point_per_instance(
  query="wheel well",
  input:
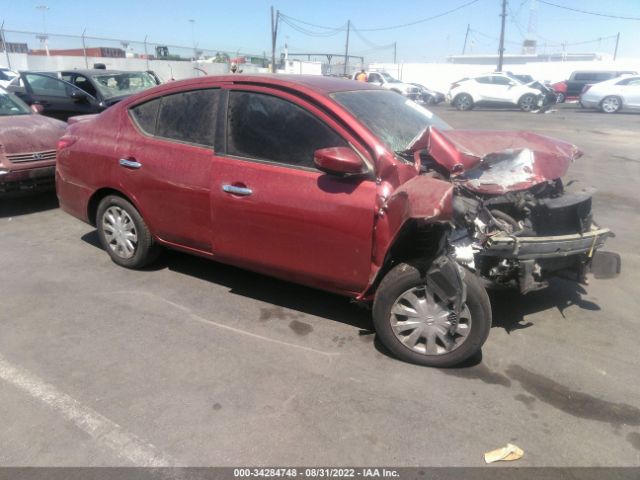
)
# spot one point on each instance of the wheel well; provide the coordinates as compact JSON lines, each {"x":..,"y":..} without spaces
{"x":460,"y":94}
{"x":614,"y":96}
{"x":414,"y":242}
{"x":525,"y":94}
{"x":96,"y":198}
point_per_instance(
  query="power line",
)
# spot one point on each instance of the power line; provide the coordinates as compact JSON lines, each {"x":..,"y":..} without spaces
{"x":311,"y":33}
{"x":283,"y":16}
{"x":373,"y":46}
{"x":416,"y":22}
{"x":586,"y":12}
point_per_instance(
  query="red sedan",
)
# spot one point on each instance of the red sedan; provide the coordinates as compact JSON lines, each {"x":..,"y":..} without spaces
{"x":27,"y":147}
{"x":339,"y":185}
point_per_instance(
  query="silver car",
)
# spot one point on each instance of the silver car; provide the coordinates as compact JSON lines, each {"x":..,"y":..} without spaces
{"x":613,"y":95}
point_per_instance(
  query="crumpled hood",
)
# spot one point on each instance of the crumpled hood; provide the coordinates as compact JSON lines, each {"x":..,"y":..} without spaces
{"x":29,"y":133}
{"x":495,"y":162}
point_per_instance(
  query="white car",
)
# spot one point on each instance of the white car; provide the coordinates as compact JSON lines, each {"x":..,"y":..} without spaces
{"x":494,"y":89}
{"x":386,"y":81}
{"x":6,"y":76}
{"x":613,"y":95}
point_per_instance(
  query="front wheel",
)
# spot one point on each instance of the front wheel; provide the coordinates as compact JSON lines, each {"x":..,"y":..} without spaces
{"x":560,"y":97}
{"x":418,"y":327}
{"x":528,"y":102}
{"x":123,"y":233}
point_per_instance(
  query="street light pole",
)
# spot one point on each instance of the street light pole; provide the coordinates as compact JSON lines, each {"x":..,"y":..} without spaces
{"x":346,"y":48}
{"x":193,"y":38}
{"x":44,"y":38}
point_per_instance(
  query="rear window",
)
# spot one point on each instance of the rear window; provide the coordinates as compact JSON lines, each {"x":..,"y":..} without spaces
{"x":188,"y":117}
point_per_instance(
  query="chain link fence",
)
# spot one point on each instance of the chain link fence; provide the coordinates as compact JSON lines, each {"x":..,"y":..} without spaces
{"x":23,"y":50}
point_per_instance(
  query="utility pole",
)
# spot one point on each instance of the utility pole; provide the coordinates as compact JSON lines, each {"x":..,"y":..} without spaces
{"x":346,"y":48}
{"x":4,"y":45}
{"x":615,"y":52}
{"x":395,"y":51}
{"x":274,"y":36}
{"x":84,"y":49}
{"x":501,"y":48}
{"x":466,"y":36}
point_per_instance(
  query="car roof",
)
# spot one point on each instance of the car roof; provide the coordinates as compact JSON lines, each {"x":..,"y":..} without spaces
{"x":317,"y":83}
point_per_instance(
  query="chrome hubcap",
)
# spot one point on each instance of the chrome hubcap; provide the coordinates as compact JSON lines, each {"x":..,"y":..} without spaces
{"x":610,"y":104}
{"x":424,"y":324}
{"x":120,"y":232}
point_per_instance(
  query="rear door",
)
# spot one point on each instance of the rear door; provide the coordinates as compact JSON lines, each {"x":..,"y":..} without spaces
{"x":273,"y":211}
{"x":165,"y":151}
{"x":631,"y":92}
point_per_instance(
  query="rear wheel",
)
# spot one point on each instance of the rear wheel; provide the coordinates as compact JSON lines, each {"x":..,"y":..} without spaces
{"x":463,"y":102}
{"x":418,"y":327}
{"x":123,"y":233}
{"x":560,"y":97}
{"x":610,"y":104}
{"x":528,"y":102}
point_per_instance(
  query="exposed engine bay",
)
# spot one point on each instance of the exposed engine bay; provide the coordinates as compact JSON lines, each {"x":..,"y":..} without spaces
{"x":515,"y":222}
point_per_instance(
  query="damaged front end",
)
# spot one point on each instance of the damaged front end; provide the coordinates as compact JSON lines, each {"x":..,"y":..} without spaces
{"x":516,"y":223}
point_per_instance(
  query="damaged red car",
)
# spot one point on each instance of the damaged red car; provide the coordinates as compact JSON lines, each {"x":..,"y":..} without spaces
{"x":341,"y":186}
{"x":27,"y":147}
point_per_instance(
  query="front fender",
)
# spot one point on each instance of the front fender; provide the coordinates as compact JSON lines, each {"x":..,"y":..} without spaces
{"x":423,"y":199}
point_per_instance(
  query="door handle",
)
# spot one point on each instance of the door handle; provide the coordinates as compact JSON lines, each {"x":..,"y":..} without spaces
{"x":235,"y":190}
{"x":129,"y":163}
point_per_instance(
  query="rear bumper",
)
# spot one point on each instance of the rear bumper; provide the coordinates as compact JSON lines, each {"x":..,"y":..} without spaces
{"x":533,"y":248}
{"x":27,"y":180}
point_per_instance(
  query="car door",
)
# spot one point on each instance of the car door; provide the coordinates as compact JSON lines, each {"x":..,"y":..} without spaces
{"x":375,"y":79}
{"x":484,"y":89}
{"x":631,"y":93}
{"x":503,"y":89}
{"x":273,"y":211}
{"x":58,"y":98}
{"x":164,"y":153}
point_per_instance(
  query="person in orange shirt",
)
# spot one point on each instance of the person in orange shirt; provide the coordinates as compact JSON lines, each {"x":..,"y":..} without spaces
{"x":362,"y":76}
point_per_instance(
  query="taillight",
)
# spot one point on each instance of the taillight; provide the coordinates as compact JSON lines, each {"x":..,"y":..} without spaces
{"x":66,"y":141}
{"x":585,"y":88}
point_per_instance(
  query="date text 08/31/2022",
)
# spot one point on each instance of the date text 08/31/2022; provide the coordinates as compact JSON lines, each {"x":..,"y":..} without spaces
{"x":315,"y":472}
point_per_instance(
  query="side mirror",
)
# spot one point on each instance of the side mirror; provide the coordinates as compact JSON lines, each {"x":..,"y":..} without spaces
{"x":79,"y":96}
{"x":339,"y":161}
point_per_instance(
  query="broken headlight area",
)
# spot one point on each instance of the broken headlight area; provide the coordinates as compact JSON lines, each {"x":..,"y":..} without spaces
{"x":520,"y":238}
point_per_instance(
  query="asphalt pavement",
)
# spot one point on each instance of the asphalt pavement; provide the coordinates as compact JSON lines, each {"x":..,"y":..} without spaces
{"x":196,"y":363}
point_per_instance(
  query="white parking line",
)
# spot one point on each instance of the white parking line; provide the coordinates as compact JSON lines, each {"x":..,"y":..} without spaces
{"x":124,"y":444}
{"x":200,"y":319}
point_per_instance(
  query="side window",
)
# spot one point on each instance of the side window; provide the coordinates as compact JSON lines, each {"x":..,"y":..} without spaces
{"x":146,"y":115}
{"x":85,"y":84}
{"x":266,"y":127}
{"x":483,"y":80}
{"x":501,"y":80}
{"x":189,"y":116}
{"x":46,"y":85}
{"x":374,"y":78}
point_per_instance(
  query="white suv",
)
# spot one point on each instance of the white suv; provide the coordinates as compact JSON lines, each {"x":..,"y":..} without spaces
{"x":494,"y":89}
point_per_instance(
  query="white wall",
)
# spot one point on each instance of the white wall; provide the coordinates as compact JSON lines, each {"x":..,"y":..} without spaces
{"x":166,"y":69}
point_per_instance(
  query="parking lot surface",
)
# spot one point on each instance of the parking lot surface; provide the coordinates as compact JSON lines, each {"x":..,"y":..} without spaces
{"x":196,"y":363}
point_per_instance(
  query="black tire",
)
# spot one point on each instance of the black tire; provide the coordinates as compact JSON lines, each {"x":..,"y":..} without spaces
{"x":145,"y":250}
{"x":611,"y":104}
{"x":404,"y":277}
{"x":528,"y":102}
{"x":463,"y":102}
{"x":560,"y":97}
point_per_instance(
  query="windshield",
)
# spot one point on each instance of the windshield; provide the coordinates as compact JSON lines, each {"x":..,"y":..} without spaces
{"x":389,"y":78}
{"x":12,"y":105}
{"x":125,"y":83}
{"x":390,"y":116}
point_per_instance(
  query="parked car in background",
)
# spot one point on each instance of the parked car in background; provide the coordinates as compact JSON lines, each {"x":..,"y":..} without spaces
{"x":572,"y":88}
{"x":428,"y":96}
{"x":339,"y":185}
{"x":6,"y":75}
{"x":495,"y":90}
{"x":77,"y":92}
{"x":622,"y":93}
{"x":27,"y":146}
{"x":386,"y":81}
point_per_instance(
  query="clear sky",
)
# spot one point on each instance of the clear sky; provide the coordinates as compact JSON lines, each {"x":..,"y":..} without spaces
{"x":244,"y":25}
